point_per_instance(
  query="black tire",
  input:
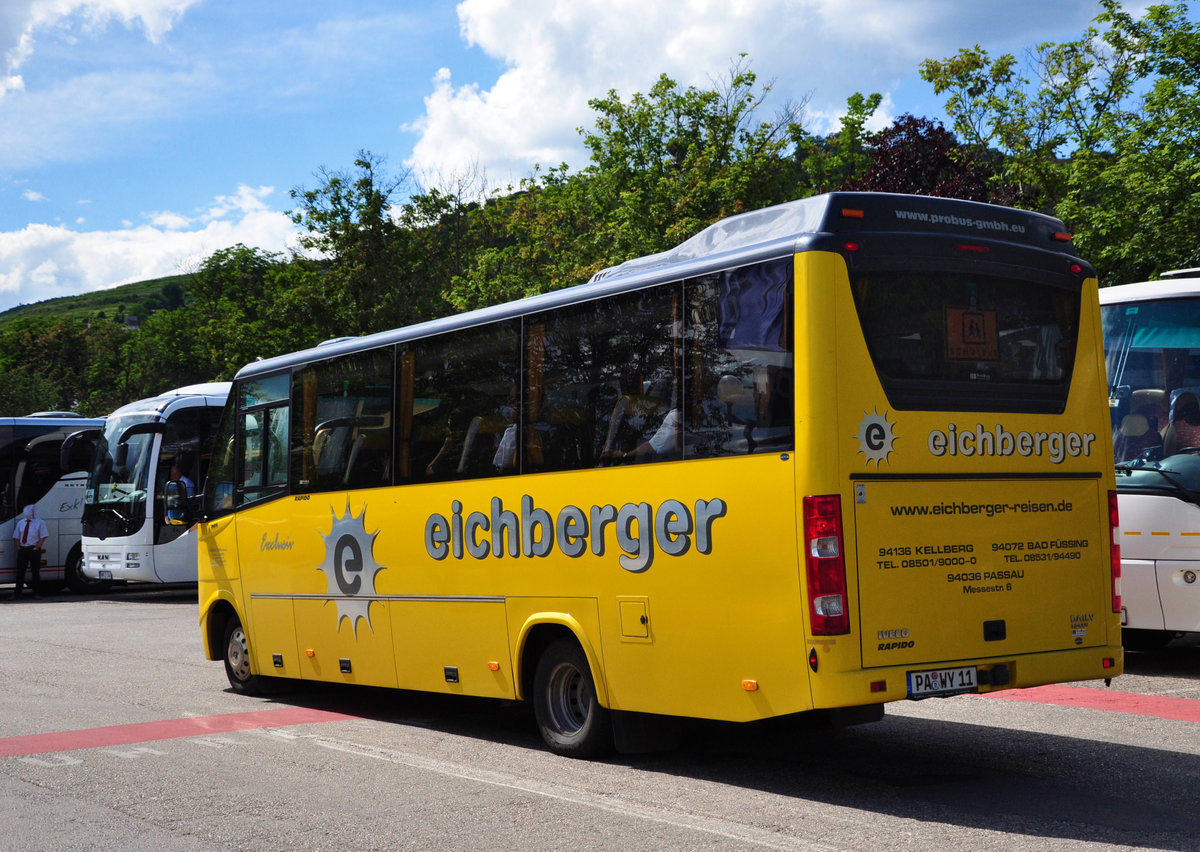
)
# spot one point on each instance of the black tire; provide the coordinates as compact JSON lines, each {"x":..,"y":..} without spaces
{"x":568,"y":713}
{"x":236,"y":654}
{"x":1145,"y":640}
{"x":77,"y":581}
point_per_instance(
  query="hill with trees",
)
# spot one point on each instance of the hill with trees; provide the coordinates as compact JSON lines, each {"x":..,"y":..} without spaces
{"x":1102,"y":131}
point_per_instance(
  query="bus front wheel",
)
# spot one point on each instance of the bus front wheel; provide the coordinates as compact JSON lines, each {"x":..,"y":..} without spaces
{"x":76,"y":580}
{"x":568,"y":713}
{"x":237,"y":660}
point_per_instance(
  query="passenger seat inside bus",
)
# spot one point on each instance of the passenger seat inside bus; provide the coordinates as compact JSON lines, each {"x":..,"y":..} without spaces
{"x":1183,"y":431}
{"x":1135,"y":435}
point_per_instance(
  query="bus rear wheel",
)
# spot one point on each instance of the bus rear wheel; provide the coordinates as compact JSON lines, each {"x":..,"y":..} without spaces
{"x":568,"y":713}
{"x":237,"y":660}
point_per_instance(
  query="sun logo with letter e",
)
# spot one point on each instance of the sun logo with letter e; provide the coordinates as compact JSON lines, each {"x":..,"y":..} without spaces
{"x":350,"y":568}
{"x":875,"y":437}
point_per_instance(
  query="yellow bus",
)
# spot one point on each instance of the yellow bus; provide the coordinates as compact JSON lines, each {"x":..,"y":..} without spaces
{"x":843,"y":451}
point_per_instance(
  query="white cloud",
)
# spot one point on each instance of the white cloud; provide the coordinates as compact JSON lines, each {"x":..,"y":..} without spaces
{"x":71,"y":118}
{"x":32,"y":195}
{"x":20,"y":21}
{"x":44,"y":261}
{"x":559,"y":53}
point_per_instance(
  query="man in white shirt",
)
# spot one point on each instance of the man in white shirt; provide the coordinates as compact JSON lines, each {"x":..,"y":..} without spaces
{"x":30,"y":534}
{"x":178,"y":475}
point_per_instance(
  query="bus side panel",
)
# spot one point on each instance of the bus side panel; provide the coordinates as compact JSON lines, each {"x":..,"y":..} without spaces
{"x":175,"y":561}
{"x":343,"y":641}
{"x":274,"y":650}
{"x":318,"y":553}
{"x":1158,"y":544}
{"x":821,"y":380}
{"x":217,"y":575}
{"x":452,"y":646}
{"x":8,"y":551}
{"x":62,"y":510}
{"x":715,"y":620}
{"x":721,"y":599}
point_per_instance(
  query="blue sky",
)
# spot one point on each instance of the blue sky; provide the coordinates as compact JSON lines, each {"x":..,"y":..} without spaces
{"x":139,"y":136}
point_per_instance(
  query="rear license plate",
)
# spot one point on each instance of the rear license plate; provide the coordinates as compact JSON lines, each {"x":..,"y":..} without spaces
{"x":942,"y":682}
{"x":105,"y":575}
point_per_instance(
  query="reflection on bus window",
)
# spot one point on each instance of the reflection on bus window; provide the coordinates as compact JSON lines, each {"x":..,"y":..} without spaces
{"x":342,"y":423}
{"x":458,"y":403}
{"x":947,"y":340}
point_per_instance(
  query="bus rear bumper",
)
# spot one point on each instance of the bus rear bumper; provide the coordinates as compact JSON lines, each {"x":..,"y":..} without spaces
{"x":979,"y":676}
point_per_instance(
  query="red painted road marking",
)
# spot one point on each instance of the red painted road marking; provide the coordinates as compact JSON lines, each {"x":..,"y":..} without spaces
{"x":166,"y":729}
{"x":1161,"y":707}
{"x":1158,"y":706}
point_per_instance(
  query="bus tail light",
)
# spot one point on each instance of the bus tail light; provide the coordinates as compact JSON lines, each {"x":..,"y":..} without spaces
{"x":1114,"y":523}
{"x":825,"y":565}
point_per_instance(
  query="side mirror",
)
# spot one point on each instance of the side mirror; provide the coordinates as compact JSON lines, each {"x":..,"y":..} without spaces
{"x":68,"y":458}
{"x":178,"y":509}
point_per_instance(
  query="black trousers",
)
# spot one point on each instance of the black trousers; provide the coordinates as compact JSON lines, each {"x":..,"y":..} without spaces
{"x":29,"y":557}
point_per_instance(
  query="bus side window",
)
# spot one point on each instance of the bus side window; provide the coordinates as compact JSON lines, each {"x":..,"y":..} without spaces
{"x":463,"y":415}
{"x":342,"y":423}
{"x":264,"y":437}
{"x":740,"y":361}
{"x":607,"y":373}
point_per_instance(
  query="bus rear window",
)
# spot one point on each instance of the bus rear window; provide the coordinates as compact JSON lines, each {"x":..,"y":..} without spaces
{"x":943,"y":341}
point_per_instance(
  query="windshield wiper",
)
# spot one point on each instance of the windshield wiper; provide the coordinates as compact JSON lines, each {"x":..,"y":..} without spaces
{"x":1178,"y":488}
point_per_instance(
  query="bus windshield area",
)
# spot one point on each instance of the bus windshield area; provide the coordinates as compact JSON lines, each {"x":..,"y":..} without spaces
{"x":944,"y":340}
{"x":118,"y":479}
{"x":1152,"y":354}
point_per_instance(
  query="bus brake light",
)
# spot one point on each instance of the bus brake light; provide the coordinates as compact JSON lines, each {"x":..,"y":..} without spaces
{"x":825,"y":565}
{"x":1114,"y":523}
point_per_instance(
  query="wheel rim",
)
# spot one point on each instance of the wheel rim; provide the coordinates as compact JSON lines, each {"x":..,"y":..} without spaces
{"x":570,"y":699}
{"x":238,"y":654}
{"x":75,"y":575}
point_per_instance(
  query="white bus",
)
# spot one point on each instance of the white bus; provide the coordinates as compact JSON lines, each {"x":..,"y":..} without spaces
{"x":1152,"y":349}
{"x":34,"y":468}
{"x":125,"y":533}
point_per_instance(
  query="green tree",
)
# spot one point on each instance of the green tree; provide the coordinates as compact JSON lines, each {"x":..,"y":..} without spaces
{"x":22,"y":391}
{"x":231,"y":317}
{"x":1103,"y":130}
{"x":349,"y":220}
{"x":663,"y":165}
{"x":920,"y":156}
{"x":670,"y":162}
{"x":831,"y":162}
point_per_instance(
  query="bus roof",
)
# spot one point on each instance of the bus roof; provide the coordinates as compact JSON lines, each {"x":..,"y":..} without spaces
{"x":745,"y":238}
{"x":1166,"y":288}
{"x":52,"y":424}
{"x":213,"y":393}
